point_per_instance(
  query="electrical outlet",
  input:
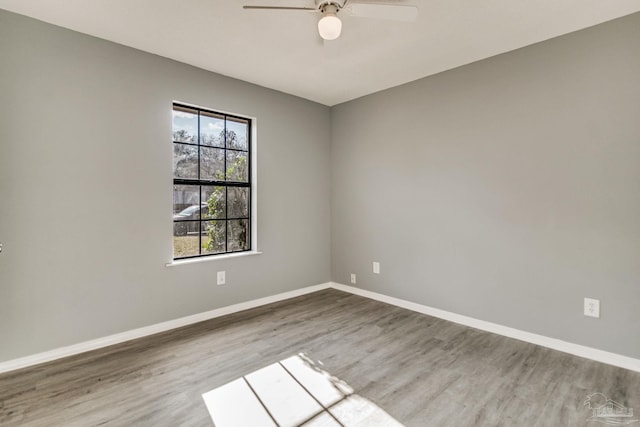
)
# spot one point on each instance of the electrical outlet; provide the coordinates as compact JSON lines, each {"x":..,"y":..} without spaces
{"x":592,"y":307}
{"x":222,"y":279}
{"x":376,"y":267}
{"x":353,"y":279}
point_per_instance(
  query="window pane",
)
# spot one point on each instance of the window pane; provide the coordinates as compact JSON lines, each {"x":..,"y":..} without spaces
{"x":238,"y":199}
{"x":213,"y":233}
{"x":185,"y":200}
{"x":237,"y":230}
{"x":185,"y":161}
{"x":211,"y":164}
{"x":211,"y":129}
{"x":237,"y":134}
{"x":185,"y":228}
{"x":185,"y":125}
{"x":237,"y":166}
{"x":214,"y":202}
{"x":185,"y":245}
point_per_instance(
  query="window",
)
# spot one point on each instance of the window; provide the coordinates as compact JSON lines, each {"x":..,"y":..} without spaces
{"x":211,"y":182}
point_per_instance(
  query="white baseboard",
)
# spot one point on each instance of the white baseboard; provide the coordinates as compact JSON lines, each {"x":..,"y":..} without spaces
{"x":564,"y":346}
{"x":82,"y":347}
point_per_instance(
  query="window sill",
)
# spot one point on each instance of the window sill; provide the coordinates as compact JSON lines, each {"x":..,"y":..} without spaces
{"x":210,"y":258}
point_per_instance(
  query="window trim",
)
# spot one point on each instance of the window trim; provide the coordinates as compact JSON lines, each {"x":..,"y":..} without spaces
{"x":250,"y":184}
{"x":209,"y":257}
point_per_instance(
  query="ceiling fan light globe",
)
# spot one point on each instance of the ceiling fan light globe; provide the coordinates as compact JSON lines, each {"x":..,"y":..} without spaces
{"x":329,"y":26}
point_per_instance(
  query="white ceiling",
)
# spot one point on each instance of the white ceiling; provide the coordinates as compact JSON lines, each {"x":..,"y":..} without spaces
{"x":281,"y":49}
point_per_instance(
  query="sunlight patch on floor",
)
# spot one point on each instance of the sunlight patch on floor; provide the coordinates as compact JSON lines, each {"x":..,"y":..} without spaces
{"x":293,"y":392}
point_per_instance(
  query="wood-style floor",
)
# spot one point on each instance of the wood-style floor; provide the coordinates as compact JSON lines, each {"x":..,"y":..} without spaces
{"x":421,"y":370}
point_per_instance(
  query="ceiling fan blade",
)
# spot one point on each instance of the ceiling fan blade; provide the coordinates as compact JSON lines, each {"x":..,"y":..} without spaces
{"x":395,"y":12}
{"x":311,"y":9}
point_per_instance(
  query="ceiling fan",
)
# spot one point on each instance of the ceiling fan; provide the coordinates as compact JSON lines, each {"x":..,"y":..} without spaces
{"x":330,"y":26}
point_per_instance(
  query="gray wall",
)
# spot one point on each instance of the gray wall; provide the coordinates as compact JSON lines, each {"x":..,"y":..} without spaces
{"x":86,"y":189}
{"x":506,"y":190}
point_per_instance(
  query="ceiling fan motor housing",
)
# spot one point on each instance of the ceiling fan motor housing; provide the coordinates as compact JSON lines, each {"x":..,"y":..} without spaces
{"x":327,"y":5}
